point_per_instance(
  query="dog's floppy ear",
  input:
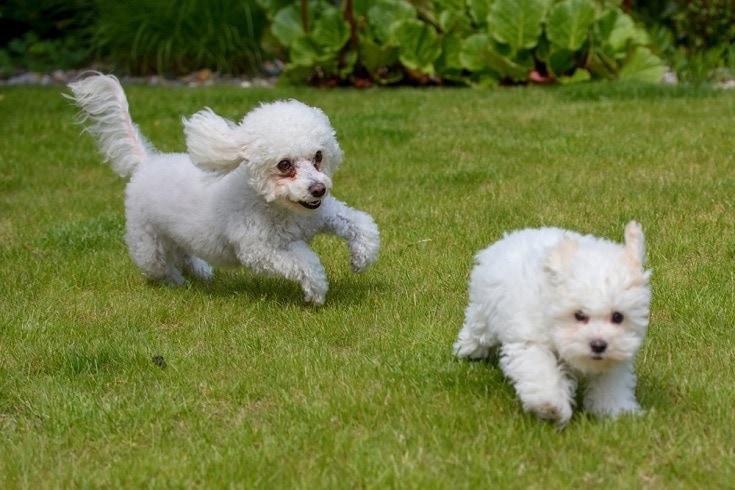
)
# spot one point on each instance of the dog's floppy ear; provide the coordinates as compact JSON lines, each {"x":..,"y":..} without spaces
{"x":212,"y":142}
{"x":559,"y":256}
{"x":635,"y":248}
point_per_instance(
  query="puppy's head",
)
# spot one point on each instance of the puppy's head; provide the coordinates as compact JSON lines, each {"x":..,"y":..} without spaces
{"x":598,"y":299}
{"x":288,"y":149}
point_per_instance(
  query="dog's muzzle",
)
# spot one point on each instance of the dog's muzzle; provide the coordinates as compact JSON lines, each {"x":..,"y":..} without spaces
{"x":317,"y":189}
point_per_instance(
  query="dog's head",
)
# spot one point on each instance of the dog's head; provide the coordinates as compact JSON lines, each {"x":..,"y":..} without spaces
{"x":288,"y":148}
{"x":599,"y":299}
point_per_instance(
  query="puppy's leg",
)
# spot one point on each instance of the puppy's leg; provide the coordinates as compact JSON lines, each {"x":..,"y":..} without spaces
{"x":152,"y":255}
{"x":475,"y":339}
{"x":539,"y":381}
{"x":612,"y":393}
{"x":297,"y":262}
{"x":197,"y":267}
{"x":359,"y":231}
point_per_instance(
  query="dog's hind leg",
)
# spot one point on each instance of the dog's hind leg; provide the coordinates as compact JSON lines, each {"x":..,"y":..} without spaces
{"x":197,"y":267}
{"x":475,"y":339}
{"x":153,"y":256}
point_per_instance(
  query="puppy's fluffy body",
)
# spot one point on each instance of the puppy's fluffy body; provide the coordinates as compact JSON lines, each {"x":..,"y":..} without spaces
{"x":251,"y":194}
{"x":561,"y":307}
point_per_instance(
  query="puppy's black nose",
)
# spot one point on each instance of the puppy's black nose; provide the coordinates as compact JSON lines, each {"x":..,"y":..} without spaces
{"x":598,"y":346}
{"x":317,"y":189}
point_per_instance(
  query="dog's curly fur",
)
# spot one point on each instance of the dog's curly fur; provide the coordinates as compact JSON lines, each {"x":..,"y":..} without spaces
{"x":561,"y":307}
{"x":251,"y":194}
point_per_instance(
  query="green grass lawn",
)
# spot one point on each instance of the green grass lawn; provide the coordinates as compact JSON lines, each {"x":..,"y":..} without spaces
{"x":261,"y":390}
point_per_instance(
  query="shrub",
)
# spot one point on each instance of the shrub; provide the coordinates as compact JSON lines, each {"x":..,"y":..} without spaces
{"x":694,"y":36}
{"x":703,"y":24}
{"x":45,"y":34}
{"x":476,"y":42}
{"x":179,"y":36}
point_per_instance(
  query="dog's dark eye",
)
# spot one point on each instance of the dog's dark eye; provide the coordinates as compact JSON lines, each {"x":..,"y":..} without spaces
{"x":580,"y":316}
{"x":284,"y":166}
{"x":617,"y":317}
{"x":318,"y":157}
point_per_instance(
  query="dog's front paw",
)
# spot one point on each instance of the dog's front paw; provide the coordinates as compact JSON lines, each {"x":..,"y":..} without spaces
{"x":360,"y":263}
{"x":558,"y":411}
{"x":364,"y":251}
{"x":613,"y":409}
{"x":315,"y":292}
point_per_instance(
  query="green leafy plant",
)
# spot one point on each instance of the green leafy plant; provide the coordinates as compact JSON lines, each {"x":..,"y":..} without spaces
{"x":45,"y":34}
{"x":30,"y":52}
{"x":694,"y":36}
{"x":479,"y":42}
{"x":147,"y":36}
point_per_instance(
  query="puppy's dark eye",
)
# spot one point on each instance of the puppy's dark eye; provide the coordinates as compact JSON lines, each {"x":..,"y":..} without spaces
{"x":284,"y":166}
{"x":617,"y":317}
{"x":580,"y":316}
{"x":318,"y":157}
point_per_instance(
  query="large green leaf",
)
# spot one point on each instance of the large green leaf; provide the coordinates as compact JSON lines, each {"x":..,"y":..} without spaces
{"x":643,"y":66}
{"x":479,"y":9}
{"x":376,"y":57}
{"x":331,"y":30}
{"x":517,"y":23}
{"x":569,"y":23}
{"x":450,"y":62}
{"x":457,"y":6}
{"x":472,"y":54}
{"x":418,"y":46}
{"x":480,"y":54}
{"x":271,"y":7}
{"x":621,"y":30}
{"x":560,"y":61}
{"x":455,"y":22}
{"x":309,"y":52}
{"x":287,"y":26}
{"x":384,"y":16}
{"x":617,"y":33}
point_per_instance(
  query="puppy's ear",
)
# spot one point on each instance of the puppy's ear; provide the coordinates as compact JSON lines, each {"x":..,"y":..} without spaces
{"x":212,"y":142}
{"x":635,"y":248}
{"x":559,"y":256}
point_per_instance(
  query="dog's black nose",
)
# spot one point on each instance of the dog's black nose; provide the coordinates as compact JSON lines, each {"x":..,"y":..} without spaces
{"x":598,"y":346}
{"x":317,"y":189}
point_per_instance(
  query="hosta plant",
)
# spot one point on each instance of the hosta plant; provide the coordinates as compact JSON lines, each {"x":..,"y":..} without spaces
{"x":472,"y":42}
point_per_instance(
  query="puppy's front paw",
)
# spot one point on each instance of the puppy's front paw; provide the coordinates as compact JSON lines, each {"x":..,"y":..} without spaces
{"x":361,"y":263}
{"x":315,"y":292}
{"x":555,"y":411}
{"x":613,"y":409}
{"x":364,"y":252}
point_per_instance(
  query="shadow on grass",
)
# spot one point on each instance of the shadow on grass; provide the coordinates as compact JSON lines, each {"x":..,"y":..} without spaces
{"x":343,"y":291}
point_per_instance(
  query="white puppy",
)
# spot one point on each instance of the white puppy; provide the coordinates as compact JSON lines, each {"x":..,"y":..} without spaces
{"x":561,"y":307}
{"x":253,"y":193}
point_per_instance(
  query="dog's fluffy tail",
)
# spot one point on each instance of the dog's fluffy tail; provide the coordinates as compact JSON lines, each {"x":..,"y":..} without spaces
{"x":104,"y":105}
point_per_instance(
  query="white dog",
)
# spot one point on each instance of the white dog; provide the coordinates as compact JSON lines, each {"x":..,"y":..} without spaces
{"x":253,"y":193}
{"x":562,"y":307}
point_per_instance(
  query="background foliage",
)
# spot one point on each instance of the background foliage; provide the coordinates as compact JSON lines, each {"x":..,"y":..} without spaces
{"x":478,"y":42}
{"x":328,"y":42}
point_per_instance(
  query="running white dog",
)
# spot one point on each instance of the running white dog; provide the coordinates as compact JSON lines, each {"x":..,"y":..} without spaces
{"x":251,"y":194}
{"x":562,"y":307}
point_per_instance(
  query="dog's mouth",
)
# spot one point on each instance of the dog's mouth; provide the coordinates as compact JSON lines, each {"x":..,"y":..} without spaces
{"x":311,"y":205}
{"x":597,"y":357}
